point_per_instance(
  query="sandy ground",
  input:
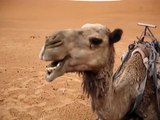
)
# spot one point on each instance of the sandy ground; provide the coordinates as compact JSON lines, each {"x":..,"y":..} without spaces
{"x":24,"y":94}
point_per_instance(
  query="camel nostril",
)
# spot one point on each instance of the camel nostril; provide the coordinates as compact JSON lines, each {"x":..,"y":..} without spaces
{"x":57,"y":44}
{"x":54,"y":43}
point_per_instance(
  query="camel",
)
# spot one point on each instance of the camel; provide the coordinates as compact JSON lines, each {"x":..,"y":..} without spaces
{"x":90,"y":51}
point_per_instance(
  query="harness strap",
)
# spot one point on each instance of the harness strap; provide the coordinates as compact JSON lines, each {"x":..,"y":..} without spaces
{"x":126,"y":57}
{"x":116,"y":74}
{"x":144,"y":56}
{"x":156,"y":45}
{"x":153,"y":74}
{"x":157,"y":93}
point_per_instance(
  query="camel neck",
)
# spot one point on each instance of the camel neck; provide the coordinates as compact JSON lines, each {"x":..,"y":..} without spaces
{"x":97,"y":84}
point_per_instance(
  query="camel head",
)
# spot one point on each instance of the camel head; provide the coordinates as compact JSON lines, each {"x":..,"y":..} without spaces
{"x":78,"y":50}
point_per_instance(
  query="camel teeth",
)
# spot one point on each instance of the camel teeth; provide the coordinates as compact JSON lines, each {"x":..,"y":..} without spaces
{"x":50,"y":69}
{"x":58,"y":64}
{"x":54,"y":68}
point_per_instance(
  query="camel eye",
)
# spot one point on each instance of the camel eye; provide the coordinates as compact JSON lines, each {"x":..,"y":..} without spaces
{"x":95,"y":41}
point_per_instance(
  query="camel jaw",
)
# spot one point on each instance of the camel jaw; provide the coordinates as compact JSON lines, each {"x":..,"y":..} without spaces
{"x":54,"y":70}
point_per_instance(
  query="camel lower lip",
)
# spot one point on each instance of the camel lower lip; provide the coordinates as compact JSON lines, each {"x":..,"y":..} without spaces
{"x":50,"y":76}
{"x":54,"y":70}
{"x":51,"y":70}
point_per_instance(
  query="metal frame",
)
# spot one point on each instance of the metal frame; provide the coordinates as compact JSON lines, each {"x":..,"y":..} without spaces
{"x":147,"y":32}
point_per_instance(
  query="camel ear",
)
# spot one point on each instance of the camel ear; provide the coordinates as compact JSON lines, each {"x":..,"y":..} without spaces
{"x":115,"y":36}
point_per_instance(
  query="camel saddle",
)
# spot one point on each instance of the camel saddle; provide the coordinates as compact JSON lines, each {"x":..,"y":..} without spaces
{"x":150,"y":52}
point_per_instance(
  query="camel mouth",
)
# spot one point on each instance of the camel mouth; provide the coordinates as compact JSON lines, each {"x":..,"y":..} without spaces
{"x":54,"y":70}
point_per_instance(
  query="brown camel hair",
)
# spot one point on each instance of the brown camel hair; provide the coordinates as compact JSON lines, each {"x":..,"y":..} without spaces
{"x":90,"y":51}
{"x":104,"y":92}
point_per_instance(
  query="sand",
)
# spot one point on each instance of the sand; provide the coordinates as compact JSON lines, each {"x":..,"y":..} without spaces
{"x":24,"y":93}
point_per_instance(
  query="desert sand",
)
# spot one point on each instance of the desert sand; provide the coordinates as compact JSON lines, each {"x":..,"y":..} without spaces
{"x":24,"y":93}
